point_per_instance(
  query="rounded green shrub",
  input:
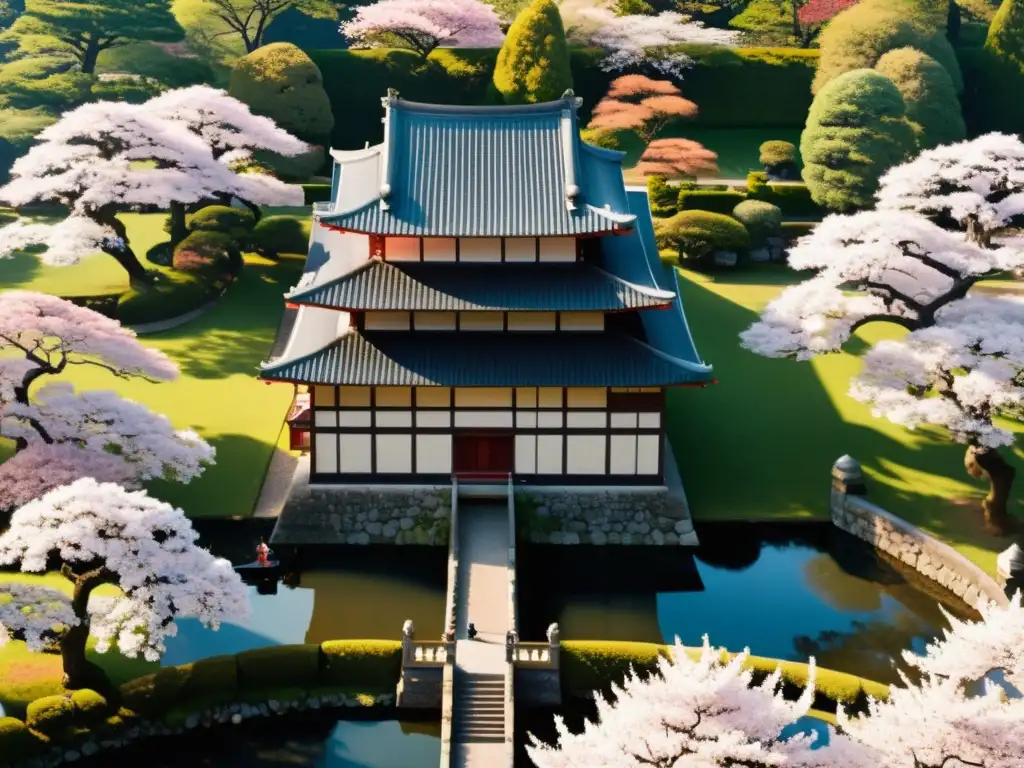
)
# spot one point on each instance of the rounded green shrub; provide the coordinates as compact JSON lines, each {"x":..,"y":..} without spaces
{"x":50,"y":714}
{"x":762,"y":220}
{"x":856,"y":130}
{"x":173,"y":295}
{"x":285,"y":665}
{"x":601,"y":137}
{"x":778,"y":158}
{"x":699,"y":234}
{"x":194,"y":687}
{"x":91,"y":707}
{"x":533,"y":62}
{"x":361,"y":662}
{"x":210,"y":252}
{"x":705,"y":199}
{"x":17,"y":742}
{"x":281,"y":82}
{"x":928,"y":94}
{"x":274,"y":235}
{"x":859,"y":36}
{"x":757,"y":183}
{"x":236,"y":222}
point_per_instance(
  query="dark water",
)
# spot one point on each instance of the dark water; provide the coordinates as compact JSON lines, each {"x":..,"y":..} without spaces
{"x":312,"y":741}
{"x":786,"y":591}
{"x":348,"y":593}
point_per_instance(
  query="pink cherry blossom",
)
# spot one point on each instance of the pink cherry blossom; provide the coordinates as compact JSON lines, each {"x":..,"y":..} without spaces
{"x":423,"y":25}
{"x":41,"y":467}
{"x":144,"y":546}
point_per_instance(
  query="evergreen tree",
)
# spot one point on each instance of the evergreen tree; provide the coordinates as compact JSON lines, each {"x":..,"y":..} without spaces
{"x":928,"y":93}
{"x":85,"y":28}
{"x":856,"y":130}
{"x":533,"y":63}
{"x":1004,"y":49}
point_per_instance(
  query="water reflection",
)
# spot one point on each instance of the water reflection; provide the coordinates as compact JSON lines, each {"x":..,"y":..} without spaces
{"x":365,"y":593}
{"x":311,"y":742}
{"x":787,"y":592}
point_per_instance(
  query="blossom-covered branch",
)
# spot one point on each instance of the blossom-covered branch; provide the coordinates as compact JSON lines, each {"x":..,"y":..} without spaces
{"x":423,"y":25}
{"x":41,"y":467}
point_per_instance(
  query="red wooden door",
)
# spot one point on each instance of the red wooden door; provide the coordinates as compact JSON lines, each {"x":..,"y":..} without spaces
{"x":484,"y":454}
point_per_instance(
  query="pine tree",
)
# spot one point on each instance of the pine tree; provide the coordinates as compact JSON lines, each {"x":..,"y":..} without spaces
{"x":533,"y":63}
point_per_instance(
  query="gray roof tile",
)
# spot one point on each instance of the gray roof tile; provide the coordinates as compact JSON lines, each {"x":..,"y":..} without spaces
{"x":427,"y":286}
{"x":490,"y":171}
{"x":467,"y":359}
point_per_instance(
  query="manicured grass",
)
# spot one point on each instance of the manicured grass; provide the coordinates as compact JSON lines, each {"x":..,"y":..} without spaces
{"x":760,"y":444}
{"x":737,"y":148}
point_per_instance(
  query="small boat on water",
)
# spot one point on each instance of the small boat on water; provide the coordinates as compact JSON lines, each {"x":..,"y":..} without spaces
{"x":256,"y":571}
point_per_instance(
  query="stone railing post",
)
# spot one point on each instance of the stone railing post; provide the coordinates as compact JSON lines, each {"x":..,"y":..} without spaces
{"x":511,"y":640}
{"x":847,"y":480}
{"x":408,"y":638}
{"x":449,"y":643}
{"x":555,"y":645}
{"x":1010,"y":569}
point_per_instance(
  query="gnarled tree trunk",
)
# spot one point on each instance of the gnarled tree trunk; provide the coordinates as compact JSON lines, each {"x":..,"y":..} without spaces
{"x":990,"y":465}
{"x":120,"y":249}
{"x":79,"y":672}
{"x":178,"y":229}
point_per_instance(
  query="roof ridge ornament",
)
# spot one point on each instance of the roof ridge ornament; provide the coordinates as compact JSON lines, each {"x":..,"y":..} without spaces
{"x":386,"y":164}
{"x":570,"y":94}
{"x":392,"y":95}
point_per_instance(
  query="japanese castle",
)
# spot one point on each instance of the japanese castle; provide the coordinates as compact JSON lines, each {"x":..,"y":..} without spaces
{"x":483,"y":296}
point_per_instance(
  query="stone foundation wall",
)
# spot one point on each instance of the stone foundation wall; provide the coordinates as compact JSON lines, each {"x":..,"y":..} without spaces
{"x":934,"y":560}
{"x":333,"y":515}
{"x":603,"y":517}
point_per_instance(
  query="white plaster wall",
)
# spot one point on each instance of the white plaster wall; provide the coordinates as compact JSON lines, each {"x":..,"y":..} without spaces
{"x":585,"y":454}
{"x":439,"y":249}
{"x":393,"y":453}
{"x":354,"y":418}
{"x":526,"y":454}
{"x":433,"y":454}
{"x":387,"y":321}
{"x":549,"y":455}
{"x":623,"y":455}
{"x":520,"y":249}
{"x":581,"y":321}
{"x":481,"y":321}
{"x":356,"y":453}
{"x":434,"y":321}
{"x":326,"y":453}
{"x":466,"y":419}
{"x":531,"y":321}
{"x":558,"y":249}
{"x":648,"y":451}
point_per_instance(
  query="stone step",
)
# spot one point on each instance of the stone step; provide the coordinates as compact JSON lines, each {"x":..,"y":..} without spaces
{"x":479,"y":714}
{"x":474,"y":738}
{"x":466,"y":705}
{"x":490,"y":728}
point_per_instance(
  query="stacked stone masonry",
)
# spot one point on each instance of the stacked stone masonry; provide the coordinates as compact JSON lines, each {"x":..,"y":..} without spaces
{"x":929,"y":557}
{"x":366,"y":516}
{"x":648,"y":518}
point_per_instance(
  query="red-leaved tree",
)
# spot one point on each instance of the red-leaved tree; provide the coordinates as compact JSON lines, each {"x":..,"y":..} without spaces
{"x":642,"y":105}
{"x":677,"y":157}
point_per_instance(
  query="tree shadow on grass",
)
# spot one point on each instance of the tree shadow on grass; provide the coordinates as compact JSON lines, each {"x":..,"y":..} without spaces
{"x":761,"y":443}
{"x":230,"y":487}
{"x":19,"y":269}
{"x":238,"y":333}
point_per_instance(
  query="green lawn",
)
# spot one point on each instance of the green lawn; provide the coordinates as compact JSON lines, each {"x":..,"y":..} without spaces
{"x":219,"y":353}
{"x":737,"y":148}
{"x":761,"y":443}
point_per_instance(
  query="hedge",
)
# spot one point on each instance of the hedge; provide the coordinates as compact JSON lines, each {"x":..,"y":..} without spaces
{"x":274,"y":235}
{"x":290,"y":665}
{"x":175,"y":294}
{"x":794,"y":230}
{"x":593,"y":665}
{"x":724,"y":82}
{"x":792,"y":199}
{"x":316,"y":193}
{"x":716,"y":202}
{"x":360,"y":662}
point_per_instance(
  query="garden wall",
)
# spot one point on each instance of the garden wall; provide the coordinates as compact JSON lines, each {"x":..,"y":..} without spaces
{"x":342,"y":515}
{"x":939,"y":562}
{"x":565,"y":516}
{"x":734,"y":88}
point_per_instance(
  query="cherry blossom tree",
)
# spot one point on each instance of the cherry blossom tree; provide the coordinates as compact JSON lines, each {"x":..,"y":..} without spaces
{"x":637,"y":39}
{"x":41,"y":467}
{"x":104,"y":158}
{"x":423,"y":25}
{"x":231,"y":131}
{"x":640,"y":104}
{"x":814,"y":14}
{"x":895,"y":265}
{"x":975,"y":186}
{"x":103,"y":534}
{"x":704,"y":712}
{"x":677,"y":157}
{"x":44,"y":336}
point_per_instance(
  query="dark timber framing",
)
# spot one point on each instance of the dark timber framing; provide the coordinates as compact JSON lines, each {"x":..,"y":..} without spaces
{"x":617,"y":402}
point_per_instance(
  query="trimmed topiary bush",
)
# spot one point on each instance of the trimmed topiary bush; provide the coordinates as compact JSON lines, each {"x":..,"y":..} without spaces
{"x":275,"y":235}
{"x":661,"y":195}
{"x":856,"y":130}
{"x":533,"y":62}
{"x":91,"y":707}
{"x":286,"y":665}
{"x":50,"y":715}
{"x":175,"y":294}
{"x":235,"y":222}
{"x":778,"y":158}
{"x":762,"y":220}
{"x":595,"y":664}
{"x":859,"y":36}
{"x":281,"y":82}
{"x":375,"y":663}
{"x":194,"y":686}
{"x":215,"y":253}
{"x":601,"y":137}
{"x":697,"y":235}
{"x":928,"y":94}
{"x":710,"y":200}
{"x":792,"y":199}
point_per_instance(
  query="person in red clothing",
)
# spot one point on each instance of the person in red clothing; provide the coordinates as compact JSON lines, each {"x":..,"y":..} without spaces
{"x":262,"y":553}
